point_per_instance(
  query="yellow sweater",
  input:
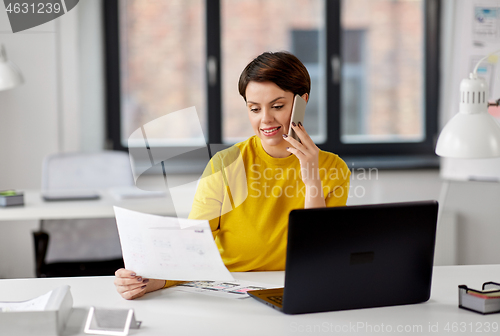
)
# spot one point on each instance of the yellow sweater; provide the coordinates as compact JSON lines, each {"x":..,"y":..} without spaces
{"x":247,"y":195}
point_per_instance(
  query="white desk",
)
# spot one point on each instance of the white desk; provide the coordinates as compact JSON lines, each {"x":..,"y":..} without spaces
{"x":167,"y":312}
{"x":35,"y":208}
{"x":17,"y":223}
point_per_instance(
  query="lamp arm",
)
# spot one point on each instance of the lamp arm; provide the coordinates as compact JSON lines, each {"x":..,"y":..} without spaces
{"x":482,"y":59}
{"x":497,"y":102}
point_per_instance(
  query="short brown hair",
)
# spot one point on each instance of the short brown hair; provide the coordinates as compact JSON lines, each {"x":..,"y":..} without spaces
{"x":282,"y":68}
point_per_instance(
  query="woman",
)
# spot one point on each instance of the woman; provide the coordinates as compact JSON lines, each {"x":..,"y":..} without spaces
{"x":249,"y":220}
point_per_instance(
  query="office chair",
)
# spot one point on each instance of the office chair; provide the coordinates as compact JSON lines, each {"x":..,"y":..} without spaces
{"x":81,"y":247}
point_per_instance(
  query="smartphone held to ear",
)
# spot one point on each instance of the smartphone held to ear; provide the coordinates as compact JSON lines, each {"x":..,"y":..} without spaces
{"x":298,"y":112}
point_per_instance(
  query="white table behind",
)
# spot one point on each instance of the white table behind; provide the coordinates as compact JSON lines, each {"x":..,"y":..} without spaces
{"x":17,"y":223}
{"x":36,"y":208}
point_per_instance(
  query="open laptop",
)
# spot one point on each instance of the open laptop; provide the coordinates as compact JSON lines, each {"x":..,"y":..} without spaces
{"x":356,"y":257}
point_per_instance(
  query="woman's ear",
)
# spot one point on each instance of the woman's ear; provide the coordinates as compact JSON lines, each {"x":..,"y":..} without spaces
{"x":305,"y":96}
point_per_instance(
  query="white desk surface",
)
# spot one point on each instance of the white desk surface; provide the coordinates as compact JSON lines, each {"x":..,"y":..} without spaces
{"x":167,"y":312}
{"x":36,"y":208}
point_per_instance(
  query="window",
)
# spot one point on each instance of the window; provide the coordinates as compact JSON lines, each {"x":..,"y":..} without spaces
{"x":373,"y":66}
{"x":269,"y":26}
{"x":355,"y":105}
{"x":161,"y":53}
{"x":383,"y":68}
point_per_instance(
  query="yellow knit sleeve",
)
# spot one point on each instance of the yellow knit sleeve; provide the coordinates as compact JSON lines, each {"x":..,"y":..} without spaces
{"x":171,"y":283}
{"x":337,"y":184}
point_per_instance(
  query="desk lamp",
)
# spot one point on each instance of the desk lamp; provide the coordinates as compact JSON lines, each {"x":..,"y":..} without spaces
{"x":472,"y":133}
{"x":10,"y":76}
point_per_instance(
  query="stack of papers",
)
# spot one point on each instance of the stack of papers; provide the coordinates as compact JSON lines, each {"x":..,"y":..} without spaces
{"x":230,"y":290}
{"x":36,"y":304}
{"x":484,"y":301}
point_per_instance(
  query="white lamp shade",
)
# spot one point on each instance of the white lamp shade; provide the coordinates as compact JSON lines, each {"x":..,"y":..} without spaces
{"x":10,"y":76}
{"x":472,"y":133}
{"x":471,"y":136}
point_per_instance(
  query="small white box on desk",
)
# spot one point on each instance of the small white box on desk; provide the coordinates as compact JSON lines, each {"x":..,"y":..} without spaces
{"x":45,"y":315}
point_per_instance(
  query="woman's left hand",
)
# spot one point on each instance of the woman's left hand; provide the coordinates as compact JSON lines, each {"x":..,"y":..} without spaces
{"x":308,"y":154}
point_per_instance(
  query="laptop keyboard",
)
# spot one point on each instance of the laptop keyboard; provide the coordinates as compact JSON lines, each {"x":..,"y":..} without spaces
{"x":276,"y":299}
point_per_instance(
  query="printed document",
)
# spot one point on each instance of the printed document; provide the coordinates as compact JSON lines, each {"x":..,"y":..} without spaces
{"x":157,"y":247}
{"x":232,"y":290}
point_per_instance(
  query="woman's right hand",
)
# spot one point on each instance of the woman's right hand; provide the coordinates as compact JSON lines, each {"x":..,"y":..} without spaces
{"x":130,"y":285}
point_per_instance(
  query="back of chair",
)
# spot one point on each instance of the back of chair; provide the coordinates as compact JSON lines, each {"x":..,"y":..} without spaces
{"x":71,"y":171}
{"x":81,"y":247}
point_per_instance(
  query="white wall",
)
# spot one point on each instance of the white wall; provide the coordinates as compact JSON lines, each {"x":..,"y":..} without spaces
{"x":477,"y":211}
{"x":60,"y":108}
{"x":29,"y":115}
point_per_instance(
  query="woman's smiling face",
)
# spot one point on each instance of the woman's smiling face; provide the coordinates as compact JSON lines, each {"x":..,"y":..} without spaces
{"x":269,"y":111}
